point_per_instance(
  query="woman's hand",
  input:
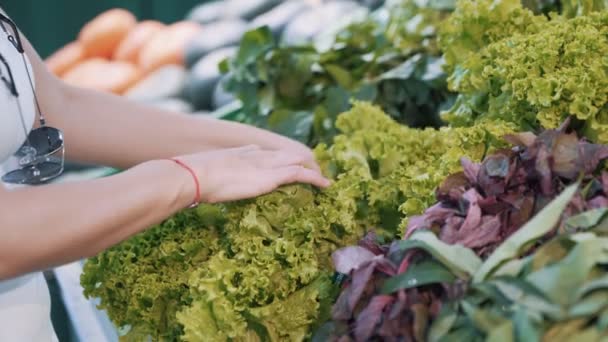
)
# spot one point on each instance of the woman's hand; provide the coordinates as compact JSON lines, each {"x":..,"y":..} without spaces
{"x":246,"y":172}
{"x":307,"y":154}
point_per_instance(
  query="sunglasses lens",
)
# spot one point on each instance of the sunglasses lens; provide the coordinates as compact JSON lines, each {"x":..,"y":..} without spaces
{"x":38,"y":161}
{"x":35,"y":174}
{"x":46,"y":140}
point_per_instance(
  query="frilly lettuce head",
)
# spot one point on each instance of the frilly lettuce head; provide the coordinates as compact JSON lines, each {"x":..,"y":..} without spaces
{"x":260,"y":270}
{"x":533,"y":71}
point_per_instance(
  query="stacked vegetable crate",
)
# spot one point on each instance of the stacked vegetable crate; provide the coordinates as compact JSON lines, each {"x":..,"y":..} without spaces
{"x":467,"y":144}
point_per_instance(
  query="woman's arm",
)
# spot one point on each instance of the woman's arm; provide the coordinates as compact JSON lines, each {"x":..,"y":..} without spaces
{"x":109,"y":130}
{"x":45,"y":226}
{"x":42,"y":227}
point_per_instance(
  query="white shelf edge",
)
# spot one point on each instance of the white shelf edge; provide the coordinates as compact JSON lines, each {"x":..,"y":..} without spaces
{"x":89,"y":323}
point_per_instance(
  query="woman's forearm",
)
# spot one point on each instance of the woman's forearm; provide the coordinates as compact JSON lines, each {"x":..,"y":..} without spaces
{"x":96,"y":126}
{"x":41,"y":227}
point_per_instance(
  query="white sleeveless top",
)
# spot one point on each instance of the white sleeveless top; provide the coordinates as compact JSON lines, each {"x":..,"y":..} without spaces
{"x":24,"y":301}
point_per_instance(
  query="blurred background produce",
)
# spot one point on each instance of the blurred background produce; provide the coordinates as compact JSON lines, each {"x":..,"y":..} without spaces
{"x":65,"y":18}
{"x":132,"y":44}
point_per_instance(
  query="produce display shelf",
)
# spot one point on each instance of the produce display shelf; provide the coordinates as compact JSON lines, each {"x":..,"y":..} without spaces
{"x":88,"y":322}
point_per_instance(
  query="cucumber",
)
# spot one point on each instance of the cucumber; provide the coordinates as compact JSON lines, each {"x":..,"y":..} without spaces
{"x":278,"y":18}
{"x":165,"y":82}
{"x":221,"y":96}
{"x":173,"y":105}
{"x":248,"y":9}
{"x":201,"y":83}
{"x":207,"y":13}
{"x":306,"y":26}
{"x":213,"y":37}
{"x":201,"y":112}
{"x":372,"y":4}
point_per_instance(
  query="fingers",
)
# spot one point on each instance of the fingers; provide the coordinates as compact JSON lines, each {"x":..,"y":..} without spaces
{"x":246,"y":149}
{"x":282,"y":159}
{"x":308,"y":159}
{"x":278,"y":159}
{"x":300,"y":174}
{"x":312,"y":164}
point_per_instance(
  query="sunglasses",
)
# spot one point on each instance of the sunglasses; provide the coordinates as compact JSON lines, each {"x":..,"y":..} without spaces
{"x":41,"y":158}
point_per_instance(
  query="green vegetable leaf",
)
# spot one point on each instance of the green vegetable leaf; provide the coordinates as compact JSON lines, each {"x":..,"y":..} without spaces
{"x":340,"y":75}
{"x":588,"y":219}
{"x":460,"y":260}
{"x":527,"y":296}
{"x":560,"y":280}
{"x":253,"y":44}
{"x":597,"y":284}
{"x":524,"y":326}
{"x":589,"y":306}
{"x":423,"y":273}
{"x":502,"y":333}
{"x":403,"y":71}
{"x":295,"y":124}
{"x":484,"y":320}
{"x":549,"y":252}
{"x":537,"y":227}
{"x":442,"y":4}
{"x":443,"y":323}
{"x":512,"y":267}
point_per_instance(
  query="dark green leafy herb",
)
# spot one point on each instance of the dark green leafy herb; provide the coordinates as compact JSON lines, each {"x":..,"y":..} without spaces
{"x":423,"y":273}
{"x":391,"y":59}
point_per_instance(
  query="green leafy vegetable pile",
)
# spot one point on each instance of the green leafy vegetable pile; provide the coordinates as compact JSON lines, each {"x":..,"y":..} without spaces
{"x":260,"y":268}
{"x":390,"y":58}
{"x":508,"y":64}
{"x":558,"y":293}
{"x":526,"y":285}
{"x":487,"y":202}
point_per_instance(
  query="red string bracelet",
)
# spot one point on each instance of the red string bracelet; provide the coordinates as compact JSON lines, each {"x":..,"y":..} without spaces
{"x":197,"y":197}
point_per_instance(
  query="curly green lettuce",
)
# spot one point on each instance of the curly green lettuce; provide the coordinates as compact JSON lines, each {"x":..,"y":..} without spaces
{"x":510,"y":65}
{"x":406,"y":164}
{"x":258,"y":269}
{"x":142,"y":282}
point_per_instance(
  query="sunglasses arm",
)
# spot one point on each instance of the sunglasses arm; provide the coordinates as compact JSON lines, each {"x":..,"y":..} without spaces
{"x":9,"y":83}
{"x":15,"y":40}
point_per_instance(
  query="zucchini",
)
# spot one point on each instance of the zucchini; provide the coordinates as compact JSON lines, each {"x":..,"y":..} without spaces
{"x":221,"y":96}
{"x":278,"y":18}
{"x":305,"y":27}
{"x":248,"y":9}
{"x":207,"y":13}
{"x":166,"y":82}
{"x":201,"y":83}
{"x":213,"y":37}
{"x":172,"y":104}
